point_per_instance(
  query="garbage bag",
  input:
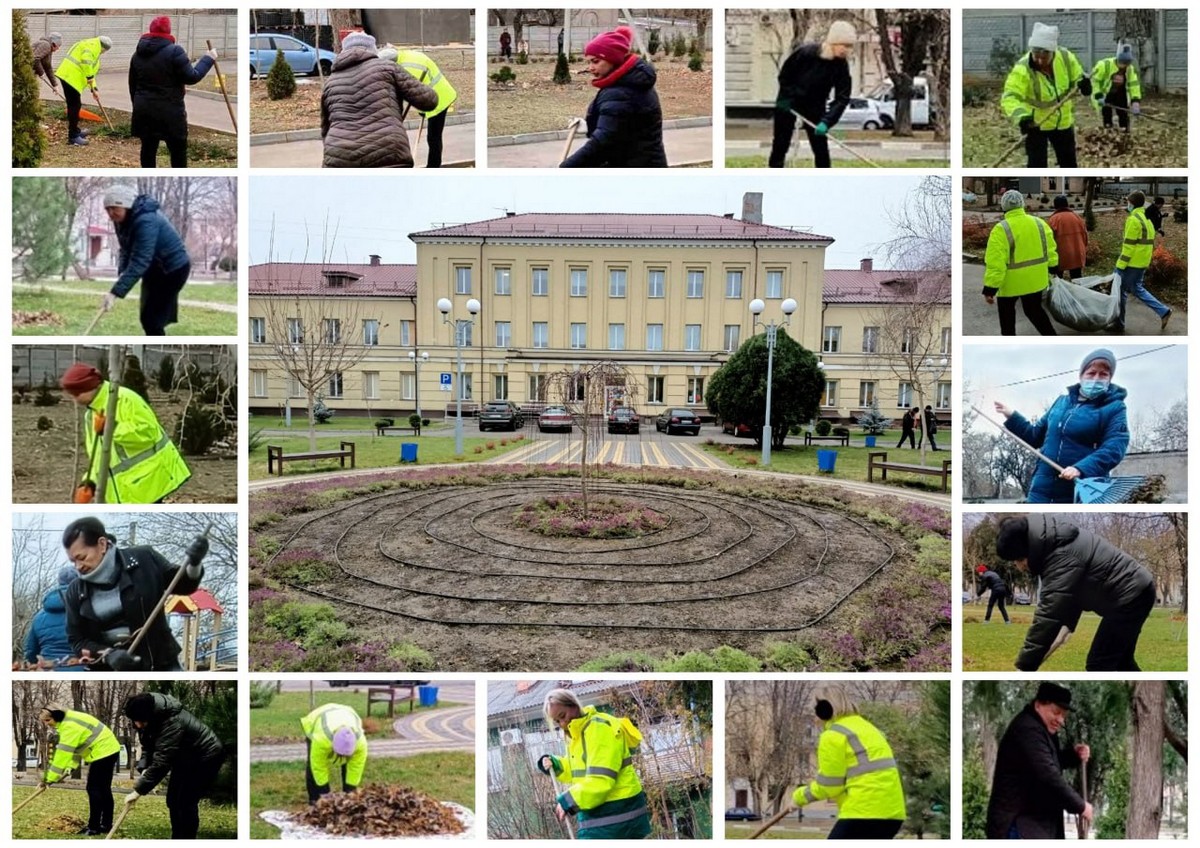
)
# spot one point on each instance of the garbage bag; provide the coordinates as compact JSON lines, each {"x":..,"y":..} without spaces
{"x":1076,"y":304}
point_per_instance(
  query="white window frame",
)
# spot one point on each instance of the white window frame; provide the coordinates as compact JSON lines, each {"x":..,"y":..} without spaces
{"x":904,"y":395}
{"x":693,"y":337}
{"x":943,"y":395}
{"x":337,"y":385}
{"x":462,"y":279}
{"x":295,"y":331}
{"x":831,"y":340}
{"x":579,"y":282}
{"x":656,"y":283}
{"x":734,"y":330}
{"x":654,"y":337}
{"x":579,"y":336}
{"x":616,"y":336}
{"x":618,"y":282}
{"x":947,"y":340}
{"x":543,"y":342}
{"x":774,"y":292}
{"x":406,"y":333}
{"x":870,"y":340}
{"x":408,"y":383}
{"x":503,"y":333}
{"x":500,"y":386}
{"x":868,"y":392}
{"x":258,"y":331}
{"x":370,"y":339}
{"x":259,"y":382}
{"x":829,"y":394}
{"x":502,"y":280}
{"x":656,"y":388}
{"x":370,"y":385}
{"x":695,"y":283}
{"x":539,"y":287}
{"x":331,"y":330}
{"x":537,"y":387}
{"x":733,"y":283}
{"x":695,"y":390}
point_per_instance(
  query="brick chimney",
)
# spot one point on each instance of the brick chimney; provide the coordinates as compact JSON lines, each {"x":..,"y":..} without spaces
{"x":374,"y":258}
{"x":752,"y":207}
{"x":866,"y":265}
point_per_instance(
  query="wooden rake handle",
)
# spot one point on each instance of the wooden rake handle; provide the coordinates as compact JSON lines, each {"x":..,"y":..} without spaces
{"x":27,"y":801}
{"x":771,"y":822}
{"x":1020,"y":441}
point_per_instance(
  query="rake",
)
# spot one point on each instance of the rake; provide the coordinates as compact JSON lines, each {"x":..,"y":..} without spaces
{"x":771,"y":822}
{"x":1088,"y":490}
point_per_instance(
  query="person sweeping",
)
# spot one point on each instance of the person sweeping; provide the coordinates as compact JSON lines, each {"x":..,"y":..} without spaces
{"x":807,"y":79}
{"x":43,"y":49}
{"x":426,"y":71}
{"x":1037,"y":98}
{"x":78,"y":71}
{"x":84,"y":740}
{"x":335,"y":740}
{"x":993,"y":583}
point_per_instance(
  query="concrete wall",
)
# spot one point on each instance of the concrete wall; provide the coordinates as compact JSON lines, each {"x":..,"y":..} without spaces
{"x":420,"y":26}
{"x":33,"y":363}
{"x":190,"y":32}
{"x":543,"y":41}
{"x":1171,"y":464}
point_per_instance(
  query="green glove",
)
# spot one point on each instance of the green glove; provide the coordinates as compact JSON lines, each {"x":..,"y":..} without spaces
{"x":551,"y":767}
{"x":783,"y":104}
{"x":821,"y":128}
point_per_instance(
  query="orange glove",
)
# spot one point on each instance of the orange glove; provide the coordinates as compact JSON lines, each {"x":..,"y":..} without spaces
{"x":85,"y":493}
{"x":98,"y":423}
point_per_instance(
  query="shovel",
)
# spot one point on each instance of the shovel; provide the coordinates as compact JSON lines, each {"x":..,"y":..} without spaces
{"x":85,"y":114}
{"x":572,"y":128}
{"x":1088,"y":490}
{"x":771,"y":822}
{"x":845,"y":147}
{"x":26,"y":802}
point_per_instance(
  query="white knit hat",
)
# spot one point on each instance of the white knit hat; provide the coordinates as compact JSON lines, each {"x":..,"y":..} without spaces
{"x":105,"y":43}
{"x":358,"y":39}
{"x":1043,"y":37}
{"x":120,"y":194}
{"x":841,"y":32}
{"x":54,"y":38}
{"x":389,"y":53}
{"x":1012,"y":199}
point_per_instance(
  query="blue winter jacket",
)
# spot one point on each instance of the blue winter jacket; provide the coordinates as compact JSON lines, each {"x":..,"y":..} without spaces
{"x":48,"y":634}
{"x":1091,"y":435}
{"x":148,"y":243}
{"x":624,"y":123}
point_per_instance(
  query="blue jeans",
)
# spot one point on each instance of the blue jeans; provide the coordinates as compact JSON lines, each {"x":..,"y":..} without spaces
{"x":1131,"y":284}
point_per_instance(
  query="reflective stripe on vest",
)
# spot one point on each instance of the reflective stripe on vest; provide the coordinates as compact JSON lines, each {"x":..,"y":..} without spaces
{"x":1126,"y":257}
{"x":616,"y":818}
{"x":1037,"y":102}
{"x":826,"y":780}
{"x":94,"y":731}
{"x":865,"y":765}
{"x":417,"y":70}
{"x":126,"y":462}
{"x":583,"y":772}
{"x":1013,"y":265}
{"x":809,"y":797}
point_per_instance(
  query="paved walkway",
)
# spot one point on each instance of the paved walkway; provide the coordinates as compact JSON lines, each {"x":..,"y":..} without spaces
{"x":979,"y":319}
{"x":195,"y":304}
{"x":206,"y":112}
{"x":685,"y":145}
{"x":458,"y":141}
{"x":881,"y":151}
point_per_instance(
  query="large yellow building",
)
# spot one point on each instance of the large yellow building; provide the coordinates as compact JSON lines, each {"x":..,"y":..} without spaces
{"x":666,"y":296}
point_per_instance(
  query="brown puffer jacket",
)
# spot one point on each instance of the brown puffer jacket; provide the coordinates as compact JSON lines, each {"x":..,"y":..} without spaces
{"x":42,"y":50}
{"x":361,"y":109}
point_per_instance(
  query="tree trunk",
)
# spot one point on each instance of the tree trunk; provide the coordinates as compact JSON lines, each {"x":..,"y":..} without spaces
{"x":1146,"y":778}
{"x":310,"y":393}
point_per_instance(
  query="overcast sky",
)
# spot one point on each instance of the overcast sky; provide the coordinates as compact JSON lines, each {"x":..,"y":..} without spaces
{"x":1154,"y":380}
{"x":374,"y":213}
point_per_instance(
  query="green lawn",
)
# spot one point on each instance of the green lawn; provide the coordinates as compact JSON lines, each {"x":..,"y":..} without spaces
{"x":76,"y":311}
{"x":281,"y":720}
{"x":447,"y":776}
{"x":223,"y":292}
{"x":379,"y":452}
{"x":804,"y":162}
{"x":50,"y":815}
{"x":994,"y":646}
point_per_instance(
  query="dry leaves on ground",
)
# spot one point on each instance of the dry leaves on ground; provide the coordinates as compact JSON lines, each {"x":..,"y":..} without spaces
{"x":381,"y":811}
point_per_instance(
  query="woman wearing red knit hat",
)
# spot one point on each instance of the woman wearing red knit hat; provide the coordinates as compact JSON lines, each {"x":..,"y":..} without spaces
{"x":158,"y":72}
{"x":624,"y":121}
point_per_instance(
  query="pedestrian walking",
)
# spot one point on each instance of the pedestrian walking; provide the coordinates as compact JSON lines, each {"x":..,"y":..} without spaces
{"x":1037,"y":98}
{"x":990,"y":581}
{"x":1021,"y":250}
{"x":335,"y":740}
{"x":928,"y":427}
{"x":78,"y":71}
{"x":1137,"y":249}
{"x":1116,"y":83}
{"x":814,"y":82}
{"x":84,"y":740}
{"x":43,"y":49}
{"x":907,"y":426}
{"x":1154,"y":214}
{"x":425,"y":70}
{"x":1070,"y":238}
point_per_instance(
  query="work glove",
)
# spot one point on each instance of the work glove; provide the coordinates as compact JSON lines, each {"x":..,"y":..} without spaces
{"x":566,"y":804}
{"x":783,"y":104}
{"x":1026,"y":126}
{"x":1085,"y":87}
{"x":85,"y":492}
{"x":131,"y":799}
{"x":1099,"y":98}
{"x":108,"y":301}
{"x":197,"y":550}
{"x":98,"y":423}
{"x":1135,"y":108}
{"x":821,"y":128}
{"x":42,"y":784}
{"x":212,"y":54}
{"x":119,"y":659}
{"x":548,"y":764}
{"x":1064,"y":633}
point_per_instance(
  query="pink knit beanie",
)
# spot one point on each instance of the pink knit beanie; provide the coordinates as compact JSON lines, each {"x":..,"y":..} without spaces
{"x":611,"y":46}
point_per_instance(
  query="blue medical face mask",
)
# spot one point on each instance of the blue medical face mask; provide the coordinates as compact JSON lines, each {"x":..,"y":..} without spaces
{"x":1093,"y":388}
{"x":1128,"y":207}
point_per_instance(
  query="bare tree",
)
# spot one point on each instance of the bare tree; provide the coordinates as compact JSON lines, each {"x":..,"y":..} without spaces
{"x":906,"y":57}
{"x":1148,"y":707}
{"x":519,"y":18}
{"x":769,"y":737}
{"x":1139,"y":26}
{"x":342,"y":19}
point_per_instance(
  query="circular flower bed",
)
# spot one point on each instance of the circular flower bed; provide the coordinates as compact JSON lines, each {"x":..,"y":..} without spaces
{"x":606,"y":518}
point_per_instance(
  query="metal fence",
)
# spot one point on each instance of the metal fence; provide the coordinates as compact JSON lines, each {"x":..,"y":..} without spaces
{"x":190,"y":31}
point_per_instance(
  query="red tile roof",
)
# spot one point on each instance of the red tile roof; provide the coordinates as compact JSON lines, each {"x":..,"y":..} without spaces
{"x":286,"y":278}
{"x":858,"y":286}
{"x":620,"y":226}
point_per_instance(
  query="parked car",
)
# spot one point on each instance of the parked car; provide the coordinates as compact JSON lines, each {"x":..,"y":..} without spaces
{"x":625,"y":420}
{"x":741,"y":814}
{"x":336,"y":684}
{"x":1022,"y":599}
{"x":732,"y":429}
{"x":684,"y":420}
{"x":501,"y":415}
{"x":555,"y":418}
{"x":303,"y":58}
{"x":862,"y":114}
{"x":883,"y":97}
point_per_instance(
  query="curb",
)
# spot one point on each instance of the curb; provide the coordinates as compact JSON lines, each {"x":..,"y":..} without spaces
{"x":212,"y":95}
{"x":257,"y":139}
{"x":559,"y":135}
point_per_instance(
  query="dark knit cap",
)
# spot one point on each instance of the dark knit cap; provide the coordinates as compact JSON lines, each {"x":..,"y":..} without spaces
{"x":1052,"y":693}
{"x":140,"y":707}
{"x":1012,"y":538}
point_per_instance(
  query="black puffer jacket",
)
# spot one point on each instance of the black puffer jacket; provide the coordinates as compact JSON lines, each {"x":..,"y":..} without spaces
{"x":624,"y":122}
{"x":1080,"y":572}
{"x":1028,"y":788}
{"x":158,"y":72}
{"x":362,"y":110}
{"x":145,"y":575}
{"x":993,"y":582}
{"x":173,"y":738}
{"x":806,"y":80}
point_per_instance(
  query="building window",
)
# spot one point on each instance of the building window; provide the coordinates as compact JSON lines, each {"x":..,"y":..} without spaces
{"x":537,"y":387}
{"x":258,"y":331}
{"x":371,"y":332}
{"x":500,"y":386}
{"x":616,"y":282}
{"x":462,"y":279}
{"x":654,"y":337}
{"x":909,"y":341}
{"x":467,"y":388}
{"x":904,"y":396}
{"x":829,"y":396}
{"x":946,"y":341}
{"x":691,"y":337}
{"x":335,"y":384}
{"x":943,"y":395}
{"x":577,"y":391}
{"x":578,"y":336}
{"x":656,"y":283}
{"x":294,"y":388}
{"x":541,"y":334}
{"x":579,"y":282}
{"x":331,"y":330}
{"x":406,"y":333}
{"x":258,"y":383}
{"x":616,"y":336}
{"x":866,"y":393}
{"x":774,"y":284}
{"x":408,"y":383}
{"x":541,"y":282}
{"x":503,"y":281}
{"x":295,"y":331}
{"x":695,"y":284}
{"x":503,"y":333}
{"x":468,"y":333}
{"x":831,"y":340}
{"x":370,"y":382}
{"x":733,"y":284}
{"x":733,"y":336}
{"x":870,"y":340}
{"x":695,"y":392}
{"x":654,"y":389}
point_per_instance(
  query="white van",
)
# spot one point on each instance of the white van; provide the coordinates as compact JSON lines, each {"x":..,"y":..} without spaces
{"x":882,"y":94}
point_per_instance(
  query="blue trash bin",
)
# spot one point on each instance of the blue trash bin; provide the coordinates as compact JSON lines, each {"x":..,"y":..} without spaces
{"x":427,"y":695}
{"x":869,"y":441}
{"x":826,"y":460}
{"x":408,"y":452}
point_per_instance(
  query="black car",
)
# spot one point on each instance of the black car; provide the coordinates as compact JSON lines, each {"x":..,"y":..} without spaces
{"x":501,"y":415}
{"x":741,"y":814}
{"x":623,"y":420}
{"x":682,"y":420}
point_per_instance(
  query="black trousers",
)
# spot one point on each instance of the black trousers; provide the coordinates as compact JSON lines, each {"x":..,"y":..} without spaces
{"x":434,"y":128}
{"x":99,"y":792}
{"x":1117,"y":637}
{"x":74,"y":104}
{"x":1115,"y":98}
{"x":912,"y":439}
{"x":177,"y":147}
{"x":866,"y":829}
{"x":785,"y":125}
{"x":925,"y":434}
{"x":187,"y":786}
{"x":996,"y":600}
{"x":310,"y":782}
{"x":1006,"y":307}
{"x":160,"y":299}
{"x":1063,"y":142}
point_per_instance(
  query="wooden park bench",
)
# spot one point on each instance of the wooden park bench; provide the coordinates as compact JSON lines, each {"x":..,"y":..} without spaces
{"x":276,"y":457}
{"x":809,"y":438}
{"x":397,"y":428}
{"x":389,"y":695}
{"x":878,"y":459}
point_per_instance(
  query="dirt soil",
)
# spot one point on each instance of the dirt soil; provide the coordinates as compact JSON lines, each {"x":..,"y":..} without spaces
{"x":206,"y":148}
{"x":44,"y":461}
{"x":535,"y":103}
{"x":302,"y":110}
{"x":445,"y":569}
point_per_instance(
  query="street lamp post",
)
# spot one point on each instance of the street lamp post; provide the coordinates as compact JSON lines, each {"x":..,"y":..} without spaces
{"x":771,"y":328}
{"x":459,"y":324}
{"x":416,"y":361}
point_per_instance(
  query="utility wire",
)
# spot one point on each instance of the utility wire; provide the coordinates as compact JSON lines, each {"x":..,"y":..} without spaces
{"x":1070,"y":372}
